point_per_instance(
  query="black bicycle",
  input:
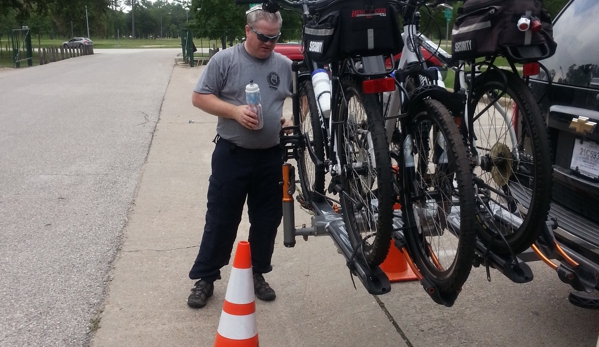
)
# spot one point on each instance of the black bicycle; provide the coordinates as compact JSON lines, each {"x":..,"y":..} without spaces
{"x":500,"y":121}
{"x":433,"y":181}
{"x":344,"y":152}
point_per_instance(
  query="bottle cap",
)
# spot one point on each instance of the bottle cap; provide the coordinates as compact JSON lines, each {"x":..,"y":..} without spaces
{"x":252,"y":87}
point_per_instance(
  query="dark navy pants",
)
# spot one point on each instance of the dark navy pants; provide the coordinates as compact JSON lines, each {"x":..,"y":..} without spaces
{"x":238,"y":173}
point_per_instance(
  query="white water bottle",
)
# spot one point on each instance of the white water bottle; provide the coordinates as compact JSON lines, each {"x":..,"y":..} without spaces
{"x":252,"y":97}
{"x":322,"y":91}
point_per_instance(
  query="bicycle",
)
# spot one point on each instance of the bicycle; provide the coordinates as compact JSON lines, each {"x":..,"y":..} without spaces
{"x":434,"y":182}
{"x":348,"y":146}
{"x":506,"y":135}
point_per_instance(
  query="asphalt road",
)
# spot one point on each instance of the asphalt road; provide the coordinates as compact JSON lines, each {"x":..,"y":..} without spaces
{"x":73,"y":138}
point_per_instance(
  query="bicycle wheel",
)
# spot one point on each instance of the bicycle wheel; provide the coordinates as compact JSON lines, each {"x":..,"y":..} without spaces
{"x":311,"y":176}
{"x":514,"y":176}
{"x":437,"y":197}
{"x":366,"y":178}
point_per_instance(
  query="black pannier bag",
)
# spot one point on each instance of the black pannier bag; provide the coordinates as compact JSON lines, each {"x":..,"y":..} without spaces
{"x":321,"y":38}
{"x":352,"y":27}
{"x":489,"y":27}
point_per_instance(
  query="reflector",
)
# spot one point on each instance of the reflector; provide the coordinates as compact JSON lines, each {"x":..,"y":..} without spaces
{"x":378,"y":85}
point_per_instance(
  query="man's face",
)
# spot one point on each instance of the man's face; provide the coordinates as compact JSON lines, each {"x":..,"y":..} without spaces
{"x":255,"y":36}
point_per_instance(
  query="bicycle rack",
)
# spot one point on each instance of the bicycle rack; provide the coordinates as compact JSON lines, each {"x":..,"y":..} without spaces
{"x":569,"y":270}
{"x":327,"y":221}
{"x":511,"y":267}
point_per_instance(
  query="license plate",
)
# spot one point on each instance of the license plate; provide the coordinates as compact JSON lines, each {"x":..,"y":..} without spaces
{"x":585,"y":158}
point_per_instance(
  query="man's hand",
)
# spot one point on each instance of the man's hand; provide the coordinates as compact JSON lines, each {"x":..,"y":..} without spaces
{"x":287,"y":123}
{"x":245,"y":116}
{"x":210,"y":103}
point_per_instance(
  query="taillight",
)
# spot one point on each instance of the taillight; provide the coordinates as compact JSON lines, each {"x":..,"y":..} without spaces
{"x":531,"y":69}
{"x":536,"y":26}
{"x":378,"y":85}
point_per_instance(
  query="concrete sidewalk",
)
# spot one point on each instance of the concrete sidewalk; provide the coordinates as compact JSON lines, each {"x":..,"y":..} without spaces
{"x":316,"y":303}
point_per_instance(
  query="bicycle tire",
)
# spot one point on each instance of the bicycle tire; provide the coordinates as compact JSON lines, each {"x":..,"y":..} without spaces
{"x":311,"y":176}
{"x":511,"y":221}
{"x":437,"y":207}
{"x":366,"y":177}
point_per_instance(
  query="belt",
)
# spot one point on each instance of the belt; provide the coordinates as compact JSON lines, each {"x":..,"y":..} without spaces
{"x":235,"y":147}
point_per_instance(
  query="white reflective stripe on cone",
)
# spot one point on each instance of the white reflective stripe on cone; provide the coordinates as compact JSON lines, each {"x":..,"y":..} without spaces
{"x":237,"y":327}
{"x":240,"y":289}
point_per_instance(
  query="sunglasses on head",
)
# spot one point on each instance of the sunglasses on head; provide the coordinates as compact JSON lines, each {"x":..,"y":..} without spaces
{"x":266,"y":38}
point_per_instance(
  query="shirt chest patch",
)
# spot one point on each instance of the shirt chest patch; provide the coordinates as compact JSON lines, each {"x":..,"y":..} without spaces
{"x":273,"y":80}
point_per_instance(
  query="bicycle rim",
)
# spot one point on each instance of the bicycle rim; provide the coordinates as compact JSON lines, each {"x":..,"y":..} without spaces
{"x":311,"y":177}
{"x":437,"y":197}
{"x":514,"y":186}
{"x":366,"y":197}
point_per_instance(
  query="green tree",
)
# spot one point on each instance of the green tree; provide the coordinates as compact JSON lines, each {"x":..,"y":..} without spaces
{"x":217,"y":18}
{"x":554,"y":6}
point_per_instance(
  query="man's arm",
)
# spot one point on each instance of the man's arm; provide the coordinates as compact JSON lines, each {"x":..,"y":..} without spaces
{"x":210,"y":103}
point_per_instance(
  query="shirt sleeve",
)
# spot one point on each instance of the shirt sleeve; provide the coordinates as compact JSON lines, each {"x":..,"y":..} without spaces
{"x":212,"y":79}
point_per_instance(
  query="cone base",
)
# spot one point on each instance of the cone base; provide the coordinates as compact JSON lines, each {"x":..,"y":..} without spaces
{"x":221,"y":341}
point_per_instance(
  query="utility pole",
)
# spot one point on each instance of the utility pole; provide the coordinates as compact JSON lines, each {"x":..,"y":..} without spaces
{"x":87,"y":22}
{"x":114,"y":16}
{"x":133,"y":19}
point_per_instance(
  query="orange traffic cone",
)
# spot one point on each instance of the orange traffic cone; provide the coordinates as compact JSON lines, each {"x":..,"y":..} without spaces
{"x":395,"y":265}
{"x":237,"y":326}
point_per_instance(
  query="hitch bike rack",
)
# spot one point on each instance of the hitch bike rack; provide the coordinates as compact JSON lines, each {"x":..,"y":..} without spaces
{"x":328,"y":220}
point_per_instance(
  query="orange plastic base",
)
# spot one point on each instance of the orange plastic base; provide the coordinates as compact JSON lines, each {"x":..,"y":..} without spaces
{"x":396,"y":267}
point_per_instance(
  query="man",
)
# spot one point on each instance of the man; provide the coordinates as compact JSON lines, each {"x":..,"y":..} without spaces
{"x":245,"y":162}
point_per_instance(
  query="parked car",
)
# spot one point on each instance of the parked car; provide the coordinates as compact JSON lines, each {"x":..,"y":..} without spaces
{"x":571,"y":103}
{"x":291,"y":50}
{"x":77,"y":42}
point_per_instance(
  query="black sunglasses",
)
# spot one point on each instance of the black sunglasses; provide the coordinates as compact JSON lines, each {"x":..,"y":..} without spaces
{"x":266,"y":38}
